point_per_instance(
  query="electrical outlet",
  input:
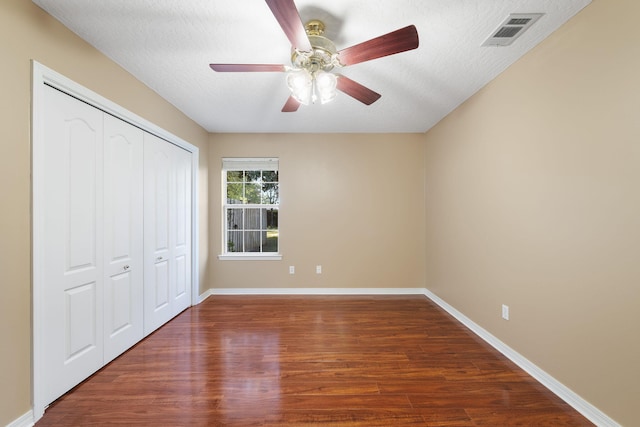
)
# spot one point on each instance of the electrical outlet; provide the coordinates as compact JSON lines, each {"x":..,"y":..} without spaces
{"x":292,"y":269}
{"x":505,"y":312}
{"x":318,"y":269}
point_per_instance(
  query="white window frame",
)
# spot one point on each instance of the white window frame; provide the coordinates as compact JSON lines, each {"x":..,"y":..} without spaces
{"x":236,"y":163}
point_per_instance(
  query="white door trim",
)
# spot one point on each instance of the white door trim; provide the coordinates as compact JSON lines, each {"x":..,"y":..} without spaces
{"x":41,"y":76}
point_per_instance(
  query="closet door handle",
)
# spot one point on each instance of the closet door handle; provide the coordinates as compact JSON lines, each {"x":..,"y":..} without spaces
{"x":126,"y":267}
{"x":159,"y":258}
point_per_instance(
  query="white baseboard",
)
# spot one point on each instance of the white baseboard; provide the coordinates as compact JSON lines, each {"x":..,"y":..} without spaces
{"x":25,"y":420}
{"x":592,"y":413}
{"x":205,"y":295}
{"x":316,"y":291}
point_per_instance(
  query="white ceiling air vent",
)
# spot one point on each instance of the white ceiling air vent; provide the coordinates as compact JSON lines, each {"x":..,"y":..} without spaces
{"x":511,"y":28}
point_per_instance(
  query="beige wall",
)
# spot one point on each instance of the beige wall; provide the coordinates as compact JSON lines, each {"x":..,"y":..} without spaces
{"x":351,"y":203}
{"x":29,"y":33}
{"x":533,"y":201}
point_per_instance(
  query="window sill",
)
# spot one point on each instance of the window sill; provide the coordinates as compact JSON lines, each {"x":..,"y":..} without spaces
{"x":250,"y":257}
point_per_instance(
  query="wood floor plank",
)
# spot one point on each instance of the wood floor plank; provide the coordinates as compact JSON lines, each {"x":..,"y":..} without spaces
{"x":311,"y":361}
{"x":350,"y":418}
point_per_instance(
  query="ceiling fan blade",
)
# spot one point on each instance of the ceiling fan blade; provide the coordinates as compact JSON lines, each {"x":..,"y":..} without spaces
{"x":388,"y":44}
{"x":246,"y":67}
{"x":288,"y":17}
{"x":357,"y":91}
{"x":291,"y":105}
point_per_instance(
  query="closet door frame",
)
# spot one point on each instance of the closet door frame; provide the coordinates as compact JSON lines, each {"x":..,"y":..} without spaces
{"x":41,"y":76}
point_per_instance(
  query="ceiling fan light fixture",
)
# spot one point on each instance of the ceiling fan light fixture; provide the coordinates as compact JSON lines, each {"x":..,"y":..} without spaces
{"x":308,"y":87}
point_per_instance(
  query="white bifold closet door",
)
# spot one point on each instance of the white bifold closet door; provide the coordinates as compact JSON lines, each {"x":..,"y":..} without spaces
{"x":92,"y":240}
{"x":167,"y":231}
{"x":123,"y":236}
{"x":73,"y":243}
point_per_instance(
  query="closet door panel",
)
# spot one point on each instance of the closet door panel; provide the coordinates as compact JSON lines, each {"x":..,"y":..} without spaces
{"x":182,"y":245}
{"x":159,"y":213}
{"x":72,"y":243}
{"x":181,"y":282}
{"x":160,"y":285}
{"x":123,"y":236}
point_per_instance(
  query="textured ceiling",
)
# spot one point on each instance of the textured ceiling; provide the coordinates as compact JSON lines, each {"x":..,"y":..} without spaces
{"x":168,"y":45}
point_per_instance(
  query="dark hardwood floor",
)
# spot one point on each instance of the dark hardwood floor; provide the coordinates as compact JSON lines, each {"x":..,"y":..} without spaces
{"x":312,"y":361}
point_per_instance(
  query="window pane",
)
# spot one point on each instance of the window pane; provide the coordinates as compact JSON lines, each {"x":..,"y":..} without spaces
{"x":253,"y":176}
{"x":252,"y":219}
{"x":252,"y":241}
{"x":270,"y":217}
{"x":252,"y":193}
{"x":235,"y":219}
{"x":269,"y":176}
{"x":271,"y":242}
{"x":234,"y":193}
{"x":234,"y":176}
{"x":270,"y":194}
{"x":234,"y":241}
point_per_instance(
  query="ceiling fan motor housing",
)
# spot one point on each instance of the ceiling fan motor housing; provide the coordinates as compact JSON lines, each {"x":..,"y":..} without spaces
{"x":323,"y":52}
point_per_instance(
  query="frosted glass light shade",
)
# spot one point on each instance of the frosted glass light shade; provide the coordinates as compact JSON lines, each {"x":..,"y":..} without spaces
{"x":300,"y":83}
{"x":325,"y":85}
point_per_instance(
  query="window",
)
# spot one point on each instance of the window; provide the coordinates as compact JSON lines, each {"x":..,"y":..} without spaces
{"x":251,"y":201}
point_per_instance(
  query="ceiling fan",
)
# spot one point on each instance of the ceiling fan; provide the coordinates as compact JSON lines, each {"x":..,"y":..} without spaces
{"x":310,"y":77}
